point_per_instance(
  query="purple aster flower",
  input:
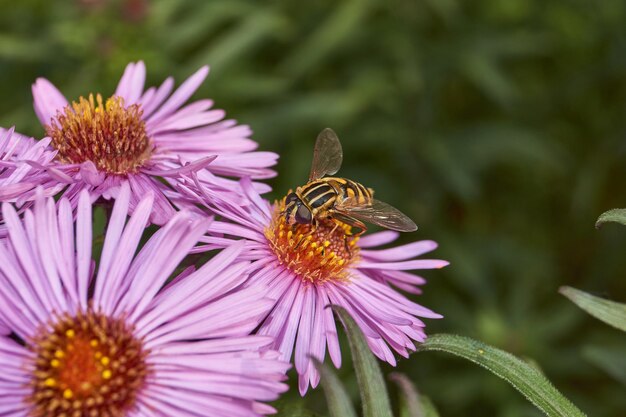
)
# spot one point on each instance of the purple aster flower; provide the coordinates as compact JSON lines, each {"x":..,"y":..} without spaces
{"x":123,"y":341}
{"x":143,"y":137}
{"x":305,"y":272}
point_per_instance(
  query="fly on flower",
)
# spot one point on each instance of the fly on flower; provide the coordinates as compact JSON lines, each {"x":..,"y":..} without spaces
{"x":338,"y":200}
{"x":305,"y":269}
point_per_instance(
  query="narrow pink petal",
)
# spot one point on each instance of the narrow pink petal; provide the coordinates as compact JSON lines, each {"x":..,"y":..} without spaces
{"x":66,"y":258}
{"x":46,"y":243}
{"x":83,"y":246}
{"x":406,"y":265}
{"x":318,"y":340}
{"x":90,"y":174}
{"x":184,"y":169}
{"x":126,"y":248}
{"x":303,"y":343}
{"x":400,"y":253}
{"x":34,"y":289}
{"x":174,"y":123}
{"x":48,"y":100}
{"x":173,"y":243}
{"x":180,"y":96}
{"x":377,"y":239}
{"x":332,"y":340}
{"x":132,"y":82}
{"x":149,"y":103}
{"x":288,"y":333}
{"x":114,"y":232}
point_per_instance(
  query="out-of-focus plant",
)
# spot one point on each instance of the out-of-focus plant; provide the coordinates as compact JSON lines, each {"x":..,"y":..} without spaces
{"x":611,"y":360}
{"x":610,"y":312}
{"x":498,"y":126}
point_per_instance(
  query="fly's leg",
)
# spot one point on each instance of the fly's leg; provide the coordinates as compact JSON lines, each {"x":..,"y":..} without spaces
{"x":353,"y":223}
{"x":306,"y":235}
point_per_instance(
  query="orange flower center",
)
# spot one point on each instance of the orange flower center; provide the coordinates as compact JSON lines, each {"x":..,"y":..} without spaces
{"x":88,"y":365}
{"x":109,"y":134}
{"x":316,"y":254}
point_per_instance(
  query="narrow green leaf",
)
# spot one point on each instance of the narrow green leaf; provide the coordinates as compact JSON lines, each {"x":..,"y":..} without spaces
{"x":611,"y":360}
{"x":337,"y":397}
{"x":610,"y":312}
{"x":614,"y":215}
{"x":412,"y":404}
{"x":370,"y":379}
{"x":524,"y":377}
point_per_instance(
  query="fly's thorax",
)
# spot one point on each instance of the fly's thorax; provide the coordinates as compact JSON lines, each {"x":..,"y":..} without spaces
{"x":319,"y":195}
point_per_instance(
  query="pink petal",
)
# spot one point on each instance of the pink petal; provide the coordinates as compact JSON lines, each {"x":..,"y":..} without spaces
{"x":132,"y":82}
{"x":48,"y":100}
{"x":180,"y":96}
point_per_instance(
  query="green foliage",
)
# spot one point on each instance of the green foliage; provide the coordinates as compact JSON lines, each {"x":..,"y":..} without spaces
{"x":611,"y":360}
{"x":369,"y":377}
{"x":412,"y":404}
{"x":337,"y":399}
{"x":614,"y":215}
{"x":526,"y":378}
{"x":610,"y":312}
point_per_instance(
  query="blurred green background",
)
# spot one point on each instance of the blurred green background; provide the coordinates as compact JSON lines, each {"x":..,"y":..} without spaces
{"x":499,"y":126}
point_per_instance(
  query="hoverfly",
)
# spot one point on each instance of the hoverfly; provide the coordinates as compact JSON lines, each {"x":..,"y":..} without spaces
{"x":340,"y":199}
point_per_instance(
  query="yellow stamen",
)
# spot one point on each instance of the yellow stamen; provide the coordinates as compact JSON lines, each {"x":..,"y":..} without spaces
{"x":109,"y":134}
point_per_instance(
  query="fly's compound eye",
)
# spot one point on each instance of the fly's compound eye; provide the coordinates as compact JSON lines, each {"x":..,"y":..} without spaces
{"x":291,"y":198}
{"x":303,"y":215}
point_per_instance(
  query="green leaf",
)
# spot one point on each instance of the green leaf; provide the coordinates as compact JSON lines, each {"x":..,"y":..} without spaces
{"x":412,"y":404}
{"x":524,"y":377}
{"x":337,"y":397}
{"x":614,"y":215}
{"x":611,"y":360}
{"x":374,"y":394}
{"x":610,"y":312}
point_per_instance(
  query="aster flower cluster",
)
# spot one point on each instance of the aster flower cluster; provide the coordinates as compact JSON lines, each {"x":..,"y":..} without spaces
{"x":139,"y":332}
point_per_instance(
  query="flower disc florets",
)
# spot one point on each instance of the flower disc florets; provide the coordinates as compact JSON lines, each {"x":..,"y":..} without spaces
{"x":87,"y":365}
{"x":108,"y":134}
{"x":316,"y":254}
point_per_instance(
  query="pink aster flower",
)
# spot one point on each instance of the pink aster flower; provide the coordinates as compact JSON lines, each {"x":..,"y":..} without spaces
{"x":122,"y":340}
{"x":144,"y":137}
{"x":306,"y":272}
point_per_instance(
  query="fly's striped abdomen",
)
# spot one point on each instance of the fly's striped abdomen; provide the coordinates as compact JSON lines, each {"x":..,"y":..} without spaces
{"x":351,"y":192}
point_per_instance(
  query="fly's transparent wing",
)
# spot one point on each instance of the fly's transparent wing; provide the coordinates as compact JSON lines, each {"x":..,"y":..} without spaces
{"x":381,"y":214}
{"x":327,"y":156}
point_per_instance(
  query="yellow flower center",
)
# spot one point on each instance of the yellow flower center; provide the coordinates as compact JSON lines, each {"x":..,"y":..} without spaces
{"x":88,"y":365}
{"x":315,"y":254}
{"x":108,"y":134}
